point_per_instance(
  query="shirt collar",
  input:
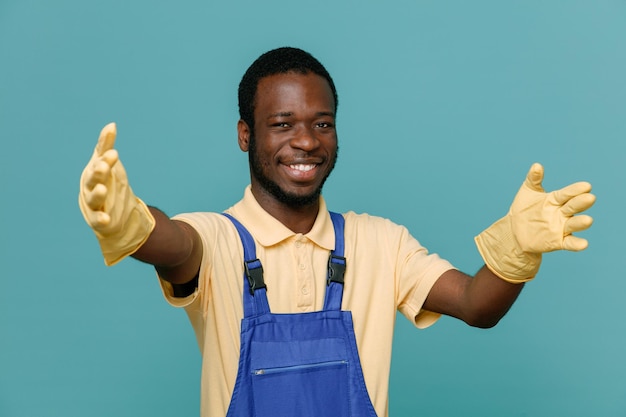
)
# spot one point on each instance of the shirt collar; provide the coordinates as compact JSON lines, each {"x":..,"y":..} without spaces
{"x":268,"y":231}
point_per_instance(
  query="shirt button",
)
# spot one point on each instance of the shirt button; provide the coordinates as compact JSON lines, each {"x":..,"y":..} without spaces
{"x":302,"y":266}
{"x":305,"y":290}
{"x":298,"y":244}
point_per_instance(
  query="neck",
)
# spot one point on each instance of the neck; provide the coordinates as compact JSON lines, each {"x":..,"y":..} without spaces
{"x":298,"y":219}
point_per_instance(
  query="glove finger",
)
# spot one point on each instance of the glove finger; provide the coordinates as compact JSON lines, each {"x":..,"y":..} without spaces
{"x":577,"y":224}
{"x":574,"y":243}
{"x":578,"y":203}
{"x":96,"y":218}
{"x":534,"y":178}
{"x":100,"y":220}
{"x":95,"y":198}
{"x":110,"y":157}
{"x":563,"y":195}
{"x":101,"y":169}
{"x":99,"y":174}
{"x":106,"y":140}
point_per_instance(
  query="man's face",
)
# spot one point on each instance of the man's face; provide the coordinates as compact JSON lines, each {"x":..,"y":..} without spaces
{"x":294,"y":147}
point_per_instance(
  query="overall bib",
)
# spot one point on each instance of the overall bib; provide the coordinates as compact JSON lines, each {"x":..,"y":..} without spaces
{"x":303,"y":364}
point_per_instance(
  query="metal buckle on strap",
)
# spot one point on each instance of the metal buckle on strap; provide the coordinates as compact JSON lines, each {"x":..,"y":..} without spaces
{"x":254,"y":274}
{"x":336,"y":269}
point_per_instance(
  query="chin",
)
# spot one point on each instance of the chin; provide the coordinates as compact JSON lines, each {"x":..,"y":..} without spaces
{"x":298,"y":199}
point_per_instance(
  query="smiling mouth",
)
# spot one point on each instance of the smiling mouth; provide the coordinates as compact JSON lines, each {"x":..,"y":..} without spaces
{"x":302,"y":167}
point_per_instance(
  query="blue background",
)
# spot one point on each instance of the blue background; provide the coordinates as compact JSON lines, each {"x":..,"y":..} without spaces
{"x":443,"y":107}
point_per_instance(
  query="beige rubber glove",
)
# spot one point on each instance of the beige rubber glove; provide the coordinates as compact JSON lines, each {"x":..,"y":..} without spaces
{"x":120,"y":220}
{"x":537,"y":222}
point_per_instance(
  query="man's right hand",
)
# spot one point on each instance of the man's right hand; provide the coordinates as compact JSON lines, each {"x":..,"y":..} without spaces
{"x":120,"y":220}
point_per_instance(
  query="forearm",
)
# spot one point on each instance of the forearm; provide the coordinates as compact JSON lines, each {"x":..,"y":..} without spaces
{"x":480,"y":301}
{"x":173,"y":247}
{"x":489,"y":298}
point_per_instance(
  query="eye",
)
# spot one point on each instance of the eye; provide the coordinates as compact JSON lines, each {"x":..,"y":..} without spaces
{"x":281,"y":124}
{"x":324,"y":125}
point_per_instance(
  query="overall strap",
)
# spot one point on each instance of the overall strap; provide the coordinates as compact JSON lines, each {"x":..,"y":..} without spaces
{"x":336,"y":266}
{"x":255,"y":299}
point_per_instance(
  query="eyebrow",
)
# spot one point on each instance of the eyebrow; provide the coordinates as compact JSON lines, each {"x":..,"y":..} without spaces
{"x":280,"y":114}
{"x":288,"y":114}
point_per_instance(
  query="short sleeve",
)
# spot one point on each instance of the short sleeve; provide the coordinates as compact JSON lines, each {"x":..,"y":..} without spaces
{"x":418,"y":270}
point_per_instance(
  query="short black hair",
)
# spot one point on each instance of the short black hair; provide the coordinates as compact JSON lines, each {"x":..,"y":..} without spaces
{"x":277,"y":61}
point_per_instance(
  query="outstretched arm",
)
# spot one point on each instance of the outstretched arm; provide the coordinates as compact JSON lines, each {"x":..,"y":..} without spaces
{"x":512,"y":248}
{"x":125,"y":226}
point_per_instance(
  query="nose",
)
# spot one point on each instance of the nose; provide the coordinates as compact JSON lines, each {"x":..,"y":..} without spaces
{"x":305,"y":138}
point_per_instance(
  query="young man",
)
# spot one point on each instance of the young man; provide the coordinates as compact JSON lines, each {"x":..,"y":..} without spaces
{"x":306,"y":354}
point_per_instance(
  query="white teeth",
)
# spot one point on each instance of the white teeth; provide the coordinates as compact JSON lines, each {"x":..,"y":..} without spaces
{"x":302,"y":167}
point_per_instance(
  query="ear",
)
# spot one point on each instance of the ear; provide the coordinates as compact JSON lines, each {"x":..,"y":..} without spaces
{"x":243,"y":135}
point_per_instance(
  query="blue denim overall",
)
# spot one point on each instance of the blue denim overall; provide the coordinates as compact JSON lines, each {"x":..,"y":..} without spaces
{"x":303,"y":364}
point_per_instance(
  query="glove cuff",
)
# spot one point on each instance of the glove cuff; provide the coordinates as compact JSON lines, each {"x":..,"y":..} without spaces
{"x":130,"y":238}
{"x":503,"y":256}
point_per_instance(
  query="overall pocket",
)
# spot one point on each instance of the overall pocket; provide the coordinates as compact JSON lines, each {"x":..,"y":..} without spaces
{"x":312,"y":389}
